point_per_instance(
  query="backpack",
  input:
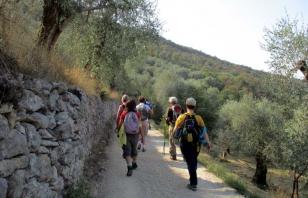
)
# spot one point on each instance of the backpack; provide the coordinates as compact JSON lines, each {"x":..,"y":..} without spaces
{"x":131,"y":125}
{"x":176,"y":112}
{"x":143,"y":111}
{"x":190,"y":130}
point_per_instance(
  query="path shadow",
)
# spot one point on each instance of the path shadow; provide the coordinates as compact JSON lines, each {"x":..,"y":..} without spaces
{"x":206,"y":188}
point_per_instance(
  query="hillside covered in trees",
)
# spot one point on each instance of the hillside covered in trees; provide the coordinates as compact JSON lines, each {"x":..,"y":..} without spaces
{"x":170,"y":69}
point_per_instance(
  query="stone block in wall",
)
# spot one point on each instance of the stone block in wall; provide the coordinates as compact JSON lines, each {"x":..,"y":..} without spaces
{"x":33,"y":137}
{"x":6,"y":108}
{"x":45,"y":135}
{"x":73,"y":112}
{"x":16,"y":183}
{"x":14,"y":144}
{"x":61,"y":117}
{"x":38,"y":190}
{"x":52,"y":120}
{"x":12,"y":119}
{"x":4,"y":127}
{"x":39,"y":86}
{"x":3,"y":187}
{"x":7,"y":167}
{"x":30,"y":101}
{"x":48,"y":143}
{"x":40,"y":167}
{"x":52,"y":100}
{"x":40,"y":121}
{"x":21,"y":129}
{"x":60,"y":87}
{"x":57,"y":185}
{"x":54,"y":156}
{"x":61,"y":105}
{"x":43,"y":150}
{"x":71,"y":98}
{"x":65,"y":130}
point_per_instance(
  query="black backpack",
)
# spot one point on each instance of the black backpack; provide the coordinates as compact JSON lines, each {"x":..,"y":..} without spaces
{"x":190,"y":128}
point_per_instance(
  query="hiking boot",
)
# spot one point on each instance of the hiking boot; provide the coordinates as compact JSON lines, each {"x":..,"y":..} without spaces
{"x":129,"y":171}
{"x":135,"y":166}
{"x":192,"y":187}
{"x":173,"y":157}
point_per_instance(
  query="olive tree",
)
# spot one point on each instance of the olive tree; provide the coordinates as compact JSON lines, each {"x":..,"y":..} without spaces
{"x":295,"y":148}
{"x":255,"y":127}
{"x":57,"y":15}
{"x":287,"y":44}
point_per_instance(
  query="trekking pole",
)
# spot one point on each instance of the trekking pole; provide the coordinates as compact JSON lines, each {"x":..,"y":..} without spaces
{"x":164,"y":128}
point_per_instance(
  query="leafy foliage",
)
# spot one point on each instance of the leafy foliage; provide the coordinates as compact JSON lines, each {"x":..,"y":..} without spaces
{"x":287,"y":43}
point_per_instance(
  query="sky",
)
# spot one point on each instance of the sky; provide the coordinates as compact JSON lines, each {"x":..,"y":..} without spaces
{"x":231,"y":30}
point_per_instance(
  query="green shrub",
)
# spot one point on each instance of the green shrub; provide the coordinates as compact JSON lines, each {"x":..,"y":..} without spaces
{"x":78,"y":190}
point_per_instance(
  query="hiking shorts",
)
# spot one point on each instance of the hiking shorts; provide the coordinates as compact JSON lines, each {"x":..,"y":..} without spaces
{"x":130,"y":149}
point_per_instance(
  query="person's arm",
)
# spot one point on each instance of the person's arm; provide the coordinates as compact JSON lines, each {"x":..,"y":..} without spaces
{"x":151,"y":111}
{"x":120,"y":110}
{"x":205,"y":132}
{"x":121,"y":120}
{"x":178,"y":123}
{"x":206,"y":137}
{"x":169,"y":116}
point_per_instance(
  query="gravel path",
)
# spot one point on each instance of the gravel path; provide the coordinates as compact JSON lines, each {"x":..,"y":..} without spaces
{"x":156,"y":177}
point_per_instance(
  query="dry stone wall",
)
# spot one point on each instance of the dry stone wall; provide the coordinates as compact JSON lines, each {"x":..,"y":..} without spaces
{"x":47,"y":130}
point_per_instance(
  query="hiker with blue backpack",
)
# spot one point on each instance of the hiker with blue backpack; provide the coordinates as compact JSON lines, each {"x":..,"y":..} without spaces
{"x":191,"y":132}
{"x":145,"y":112}
{"x":130,"y":119}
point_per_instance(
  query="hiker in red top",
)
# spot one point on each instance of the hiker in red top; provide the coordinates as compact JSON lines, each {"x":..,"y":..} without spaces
{"x":130,"y":119}
{"x":121,"y":108}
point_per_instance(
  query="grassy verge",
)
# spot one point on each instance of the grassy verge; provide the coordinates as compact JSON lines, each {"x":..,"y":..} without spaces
{"x":228,"y":177}
{"x":219,"y":170}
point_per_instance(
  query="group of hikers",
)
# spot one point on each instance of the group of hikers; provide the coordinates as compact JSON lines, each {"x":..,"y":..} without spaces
{"x":185,"y":126}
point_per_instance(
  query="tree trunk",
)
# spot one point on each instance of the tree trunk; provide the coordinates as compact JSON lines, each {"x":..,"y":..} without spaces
{"x":295,"y":188}
{"x":261,"y":170}
{"x":50,"y":29}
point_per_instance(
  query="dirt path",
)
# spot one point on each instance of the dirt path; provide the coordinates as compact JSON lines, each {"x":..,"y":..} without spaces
{"x":156,"y":176}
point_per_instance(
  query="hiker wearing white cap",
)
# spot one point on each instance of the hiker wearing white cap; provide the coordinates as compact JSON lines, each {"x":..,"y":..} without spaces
{"x":121,"y":108}
{"x":191,"y":131}
{"x":173,"y":113}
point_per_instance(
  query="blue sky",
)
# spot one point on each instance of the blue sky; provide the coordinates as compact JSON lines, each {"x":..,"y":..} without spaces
{"x":228,"y":29}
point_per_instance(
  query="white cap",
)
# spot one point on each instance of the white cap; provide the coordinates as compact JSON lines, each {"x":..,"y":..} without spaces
{"x":191,"y":102}
{"x":173,"y":100}
{"x":124,"y":98}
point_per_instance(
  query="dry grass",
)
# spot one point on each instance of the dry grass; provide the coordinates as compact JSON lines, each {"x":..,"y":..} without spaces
{"x":279,"y":180}
{"x":20,"y":44}
{"x":114,"y":94}
{"x":279,"y":193}
{"x":82,"y":79}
